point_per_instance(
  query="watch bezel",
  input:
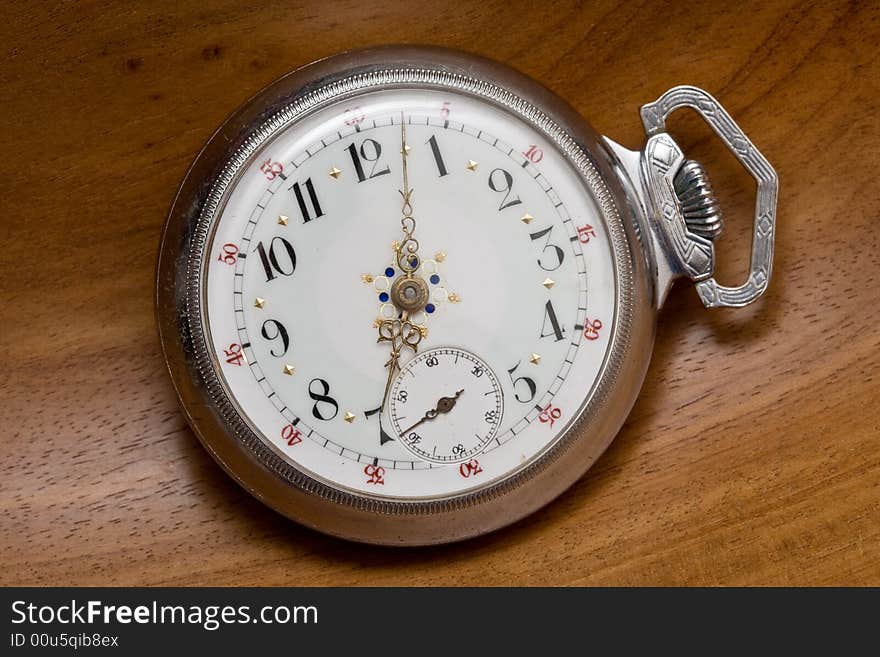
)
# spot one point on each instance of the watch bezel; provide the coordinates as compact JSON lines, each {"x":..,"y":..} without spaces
{"x":215,"y":418}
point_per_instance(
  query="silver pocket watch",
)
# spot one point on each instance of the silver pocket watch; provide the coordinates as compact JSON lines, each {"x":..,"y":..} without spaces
{"x":408,"y":296}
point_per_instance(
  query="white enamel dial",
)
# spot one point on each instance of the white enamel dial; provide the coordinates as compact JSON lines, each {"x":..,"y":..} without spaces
{"x":446,"y":405}
{"x":299,"y":265}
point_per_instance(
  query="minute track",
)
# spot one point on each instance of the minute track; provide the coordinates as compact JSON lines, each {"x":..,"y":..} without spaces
{"x":313,"y":160}
{"x":340,"y":136}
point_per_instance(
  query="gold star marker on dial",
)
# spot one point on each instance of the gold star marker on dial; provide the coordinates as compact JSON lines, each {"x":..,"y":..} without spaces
{"x":283,"y":219}
{"x":395,"y":246}
{"x":471,"y":165}
{"x":548,"y":283}
{"x":527,"y":218}
{"x":535,"y":359}
{"x":349,"y":417}
{"x":439,"y":256}
{"x":259,"y":303}
{"x":453,"y":297}
{"x":367,"y":278}
{"x":335,"y":173}
{"x":288,"y":369}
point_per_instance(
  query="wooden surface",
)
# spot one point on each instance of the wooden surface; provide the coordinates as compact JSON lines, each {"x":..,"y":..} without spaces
{"x":753,"y":453}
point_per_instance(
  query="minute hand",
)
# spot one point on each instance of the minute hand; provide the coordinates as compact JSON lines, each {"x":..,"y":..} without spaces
{"x":400,"y":332}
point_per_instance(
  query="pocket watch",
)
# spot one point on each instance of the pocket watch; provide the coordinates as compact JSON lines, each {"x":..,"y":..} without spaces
{"x":408,"y":296}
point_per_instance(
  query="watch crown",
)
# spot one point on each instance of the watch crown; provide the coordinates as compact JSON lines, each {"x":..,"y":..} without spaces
{"x":699,"y":207}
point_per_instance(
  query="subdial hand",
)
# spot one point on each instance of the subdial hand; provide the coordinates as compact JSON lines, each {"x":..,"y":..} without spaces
{"x":444,"y":405}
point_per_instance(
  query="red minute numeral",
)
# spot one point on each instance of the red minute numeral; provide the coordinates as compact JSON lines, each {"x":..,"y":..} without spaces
{"x":354,"y":116}
{"x":292,"y":435}
{"x":446,"y":110}
{"x":234,"y":354}
{"x":534,"y":154}
{"x":271,"y":169}
{"x":470,"y":469}
{"x":375,"y":474}
{"x":591,"y":329}
{"x":550,"y":414}
{"x":585,"y":232}
{"x":229,"y":254}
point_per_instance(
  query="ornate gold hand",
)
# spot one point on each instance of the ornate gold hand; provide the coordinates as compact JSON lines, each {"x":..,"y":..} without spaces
{"x":400,"y":333}
{"x":409,"y":292}
{"x":407,"y":253}
{"x":444,"y":405}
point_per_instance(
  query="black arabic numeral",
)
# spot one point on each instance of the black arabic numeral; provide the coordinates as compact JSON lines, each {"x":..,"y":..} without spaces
{"x":550,"y":316}
{"x":370,"y":151}
{"x":383,"y":437}
{"x":278,"y":331}
{"x":502,"y":184}
{"x":322,"y":398}
{"x":527,"y":381}
{"x":283,"y":263}
{"x":301,"y":200}
{"x":438,"y":158}
{"x":558,"y":252}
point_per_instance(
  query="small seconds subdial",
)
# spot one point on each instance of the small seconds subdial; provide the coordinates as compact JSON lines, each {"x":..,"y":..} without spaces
{"x":446,"y":405}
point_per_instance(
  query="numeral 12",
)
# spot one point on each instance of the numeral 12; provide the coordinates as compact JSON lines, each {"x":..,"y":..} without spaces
{"x":372,"y":155}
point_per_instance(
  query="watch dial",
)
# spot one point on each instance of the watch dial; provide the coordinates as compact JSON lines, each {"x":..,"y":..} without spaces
{"x":517,"y":285}
{"x":453,"y":426}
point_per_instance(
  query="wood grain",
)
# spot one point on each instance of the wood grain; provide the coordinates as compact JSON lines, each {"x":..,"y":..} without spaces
{"x":752,"y":456}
